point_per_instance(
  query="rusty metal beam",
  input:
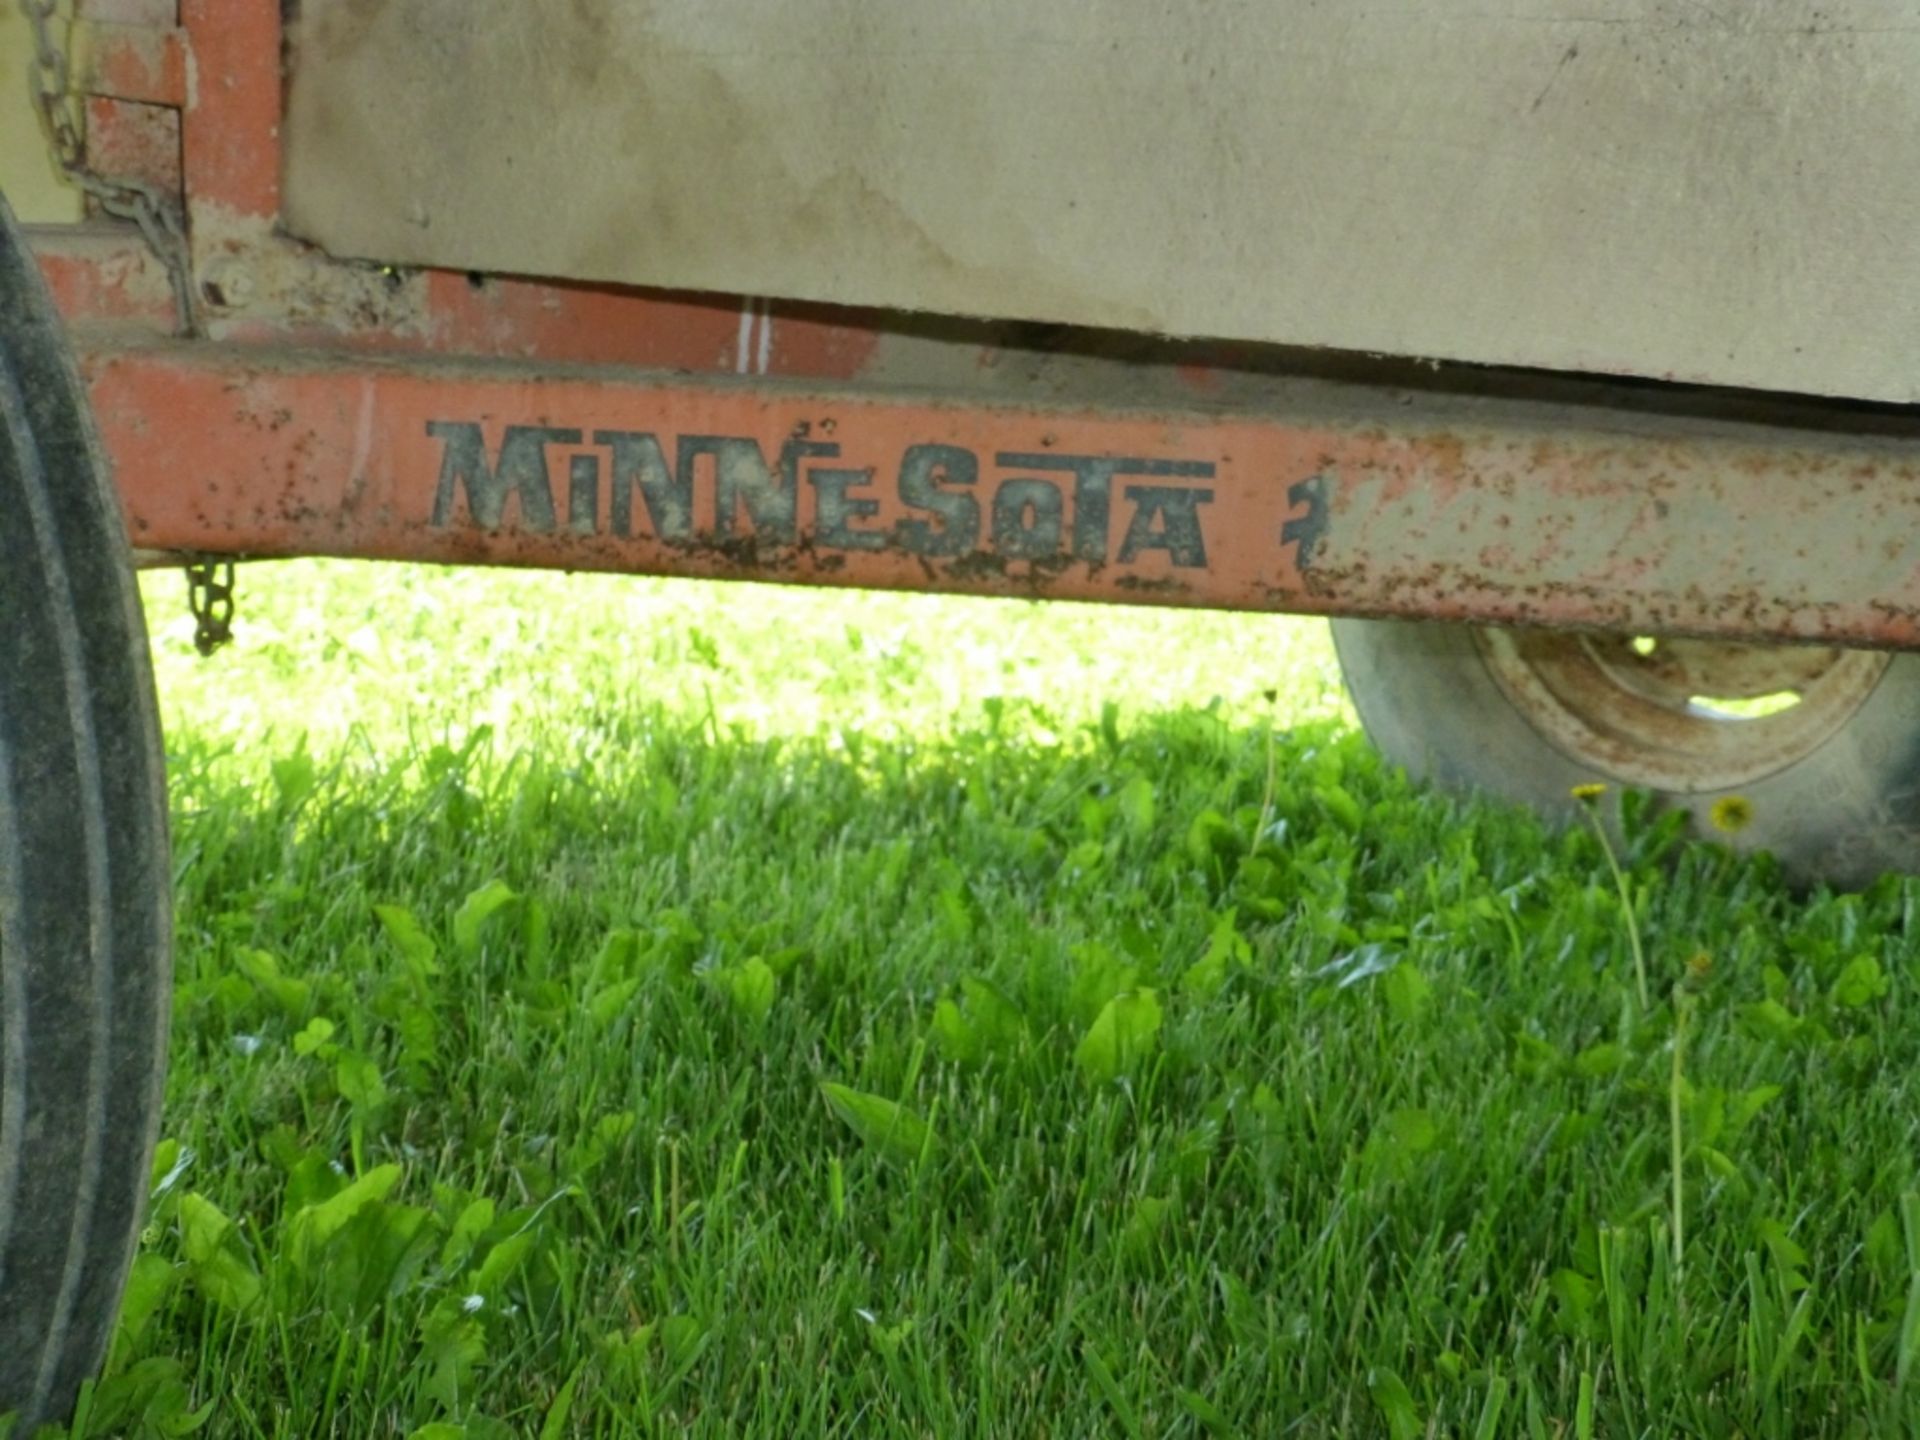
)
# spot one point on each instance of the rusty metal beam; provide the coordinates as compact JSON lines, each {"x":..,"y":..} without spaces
{"x":1347,"y":500}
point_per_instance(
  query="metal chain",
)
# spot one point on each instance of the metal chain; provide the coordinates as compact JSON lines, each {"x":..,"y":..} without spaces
{"x":156,"y":213}
{"x":210,"y":598}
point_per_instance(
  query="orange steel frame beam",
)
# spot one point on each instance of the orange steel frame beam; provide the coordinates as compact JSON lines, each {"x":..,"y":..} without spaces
{"x":325,"y":407}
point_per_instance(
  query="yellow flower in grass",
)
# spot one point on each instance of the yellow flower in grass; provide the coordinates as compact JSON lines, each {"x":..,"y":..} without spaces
{"x":1588,"y":793}
{"x":1699,"y":966}
{"x":1731,"y":814}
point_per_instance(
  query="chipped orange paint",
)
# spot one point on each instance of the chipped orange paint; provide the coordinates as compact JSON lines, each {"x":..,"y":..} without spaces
{"x":145,"y":63}
{"x":282,"y":453}
{"x":101,"y":278}
{"x":138,"y":141}
{"x":333,"y":458}
{"x":231,"y":138}
{"x":611,"y":325}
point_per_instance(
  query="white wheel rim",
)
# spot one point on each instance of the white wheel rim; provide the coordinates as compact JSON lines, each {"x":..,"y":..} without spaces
{"x":1684,"y":716}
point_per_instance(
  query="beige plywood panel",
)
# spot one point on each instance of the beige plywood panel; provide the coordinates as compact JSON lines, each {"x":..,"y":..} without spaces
{"x":1724,"y":191}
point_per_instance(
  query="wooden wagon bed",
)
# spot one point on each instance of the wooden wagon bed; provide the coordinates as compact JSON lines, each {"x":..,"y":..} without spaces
{"x":1648,"y":187}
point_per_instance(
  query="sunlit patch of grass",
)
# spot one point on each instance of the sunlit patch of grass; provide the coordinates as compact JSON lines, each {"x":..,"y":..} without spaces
{"x":389,"y":653}
{"x":655,"y":1009}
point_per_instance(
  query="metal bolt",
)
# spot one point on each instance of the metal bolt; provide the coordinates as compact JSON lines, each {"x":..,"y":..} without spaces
{"x":228,"y":284}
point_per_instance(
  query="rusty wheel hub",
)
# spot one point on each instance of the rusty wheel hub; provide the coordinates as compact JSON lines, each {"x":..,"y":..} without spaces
{"x":1685,"y":716}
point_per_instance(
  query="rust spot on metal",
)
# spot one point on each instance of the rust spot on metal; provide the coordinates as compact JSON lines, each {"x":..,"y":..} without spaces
{"x":1165,"y":586}
{"x":1552,"y":518}
{"x":980,"y":565}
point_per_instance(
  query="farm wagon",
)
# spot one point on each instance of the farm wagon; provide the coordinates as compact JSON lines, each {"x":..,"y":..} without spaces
{"x":1563,"y":355}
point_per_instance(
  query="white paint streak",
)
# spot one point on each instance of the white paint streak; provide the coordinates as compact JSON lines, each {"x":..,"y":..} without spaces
{"x":743,"y":344}
{"x":362,"y":439}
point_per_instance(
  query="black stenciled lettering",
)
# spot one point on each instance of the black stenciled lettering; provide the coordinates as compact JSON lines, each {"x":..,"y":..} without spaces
{"x":1026,"y":519}
{"x":1093,"y":489}
{"x":835,"y":509}
{"x":1177,"y":508}
{"x":521,"y":471}
{"x":924,"y":472}
{"x":639,"y":460}
{"x":583,"y":494}
{"x":1308,"y":531}
{"x":744,"y":480}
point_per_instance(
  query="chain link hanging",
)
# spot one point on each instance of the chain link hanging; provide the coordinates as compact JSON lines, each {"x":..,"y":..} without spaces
{"x":160,"y":222}
{"x":156,"y":213}
{"x":210,"y":598}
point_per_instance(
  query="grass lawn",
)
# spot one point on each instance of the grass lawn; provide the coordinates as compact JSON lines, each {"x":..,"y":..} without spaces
{"x":625,"y":1008}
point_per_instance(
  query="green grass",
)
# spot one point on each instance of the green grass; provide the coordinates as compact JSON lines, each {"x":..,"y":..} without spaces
{"x":650,"y":1008}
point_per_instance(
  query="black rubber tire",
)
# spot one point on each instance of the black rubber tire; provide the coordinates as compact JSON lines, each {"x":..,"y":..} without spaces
{"x":85,"y":924}
{"x":1844,"y":814}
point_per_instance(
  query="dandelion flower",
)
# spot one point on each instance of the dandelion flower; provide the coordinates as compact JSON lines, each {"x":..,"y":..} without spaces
{"x":1699,"y":965}
{"x":1731,"y":813}
{"x":1588,"y":793}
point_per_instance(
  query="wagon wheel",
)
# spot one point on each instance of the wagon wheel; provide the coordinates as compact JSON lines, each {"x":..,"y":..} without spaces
{"x":84,"y":922}
{"x":1821,"y":744}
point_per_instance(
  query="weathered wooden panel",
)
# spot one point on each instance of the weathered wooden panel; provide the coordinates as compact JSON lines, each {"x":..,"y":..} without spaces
{"x":1721,"y":192}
